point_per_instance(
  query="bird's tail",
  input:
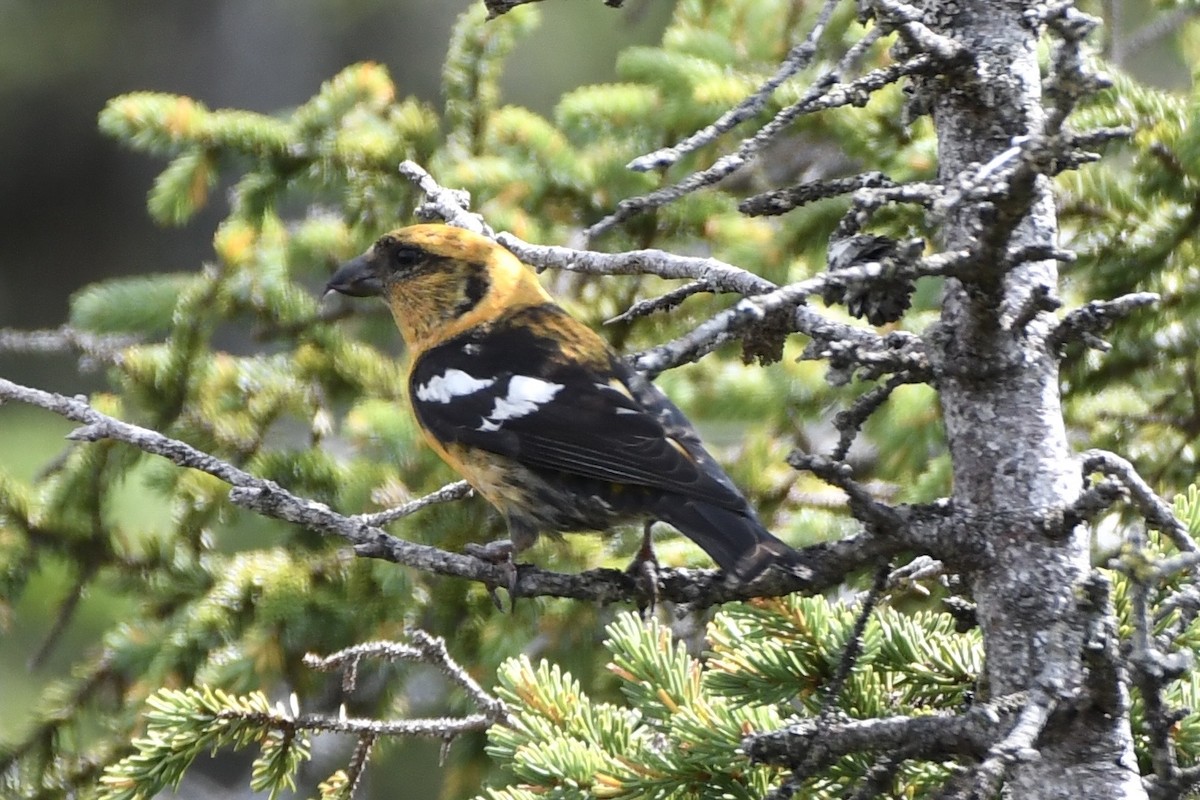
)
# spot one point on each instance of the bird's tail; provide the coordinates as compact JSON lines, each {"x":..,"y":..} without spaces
{"x":737,"y":541}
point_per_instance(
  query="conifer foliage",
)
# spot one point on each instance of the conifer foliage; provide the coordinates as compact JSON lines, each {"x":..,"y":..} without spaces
{"x":876,"y":186}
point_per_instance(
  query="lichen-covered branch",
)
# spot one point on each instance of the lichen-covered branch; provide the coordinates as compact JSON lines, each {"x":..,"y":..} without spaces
{"x":423,"y":648}
{"x":451,"y":205}
{"x":664,"y":302}
{"x":717,"y":274}
{"x":824,"y":94}
{"x":1156,"y":511}
{"x":849,"y":348}
{"x":812,"y":744}
{"x":1086,"y":323}
{"x":820,"y":566}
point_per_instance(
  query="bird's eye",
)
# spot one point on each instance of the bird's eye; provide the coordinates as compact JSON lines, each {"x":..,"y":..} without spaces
{"x":405,"y":257}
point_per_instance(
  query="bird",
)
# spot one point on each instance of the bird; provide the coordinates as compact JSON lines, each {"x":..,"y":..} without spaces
{"x":535,"y":410}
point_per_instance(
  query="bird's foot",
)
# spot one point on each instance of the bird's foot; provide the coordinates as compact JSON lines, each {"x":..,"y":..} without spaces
{"x":644,"y":570}
{"x":500,"y":553}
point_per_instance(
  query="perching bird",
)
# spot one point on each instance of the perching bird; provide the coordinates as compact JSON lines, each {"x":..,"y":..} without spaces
{"x":534,"y":409}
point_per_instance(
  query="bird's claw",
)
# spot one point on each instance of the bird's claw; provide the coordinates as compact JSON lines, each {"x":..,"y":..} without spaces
{"x":644,"y":571}
{"x":499,"y":553}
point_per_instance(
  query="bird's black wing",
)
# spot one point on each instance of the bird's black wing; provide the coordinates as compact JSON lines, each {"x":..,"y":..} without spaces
{"x":514,"y":391}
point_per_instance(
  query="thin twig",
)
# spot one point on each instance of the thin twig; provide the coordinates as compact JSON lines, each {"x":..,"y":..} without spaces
{"x":657,"y":305}
{"x":824,"y":94}
{"x":780,"y":201}
{"x":797,"y":59}
{"x":425,"y":649}
{"x":1151,"y":672}
{"x":1156,"y":511}
{"x":853,"y":649}
{"x":849,"y":422}
{"x":1088,"y":321}
{"x":101,"y":348}
{"x":66,"y":611}
{"x":358,"y":762}
{"x":450,"y":205}
{"x":450,"y":492}
{"x":718,"y":274}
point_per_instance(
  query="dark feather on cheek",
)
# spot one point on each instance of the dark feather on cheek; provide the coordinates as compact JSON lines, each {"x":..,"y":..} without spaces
{"x":477,"y":285}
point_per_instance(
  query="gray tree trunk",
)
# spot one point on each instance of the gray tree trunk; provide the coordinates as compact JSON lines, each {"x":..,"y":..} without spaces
{"x":1013,"y":467}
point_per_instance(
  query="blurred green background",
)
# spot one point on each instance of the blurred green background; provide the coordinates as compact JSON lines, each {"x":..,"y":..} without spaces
{"x":74,"y":201}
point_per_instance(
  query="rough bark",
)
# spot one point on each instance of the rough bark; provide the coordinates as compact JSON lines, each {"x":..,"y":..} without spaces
{"x":998,"y":383}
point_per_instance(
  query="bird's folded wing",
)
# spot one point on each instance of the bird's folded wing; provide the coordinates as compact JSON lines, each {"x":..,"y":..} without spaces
{"x":561,"y":417}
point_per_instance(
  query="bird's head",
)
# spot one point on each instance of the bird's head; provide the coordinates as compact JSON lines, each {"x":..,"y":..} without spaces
{"x":439,"y":281}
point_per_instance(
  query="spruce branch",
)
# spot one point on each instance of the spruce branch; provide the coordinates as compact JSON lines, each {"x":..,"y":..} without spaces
{"x":451,"y":205}
{"x":996,"y":734}
{"x":819,"y":567}
{"x":763,"y":300}
{"x":848,"y":348}
{"x":184,"y":723}
{"x":825,"y":93}
{"x":869,"y":199}
{"x":840,"y":474}
{"x":856,"y":346}
{"x":1152,"y":671}
{"x":1156,"y":511}
{"x":814,"y":745}
{"x":853,"y":649}
{"x":423,"y":648}
{"x":717,"y":274}
{"x":780,"y":201}
{"x":94,"y":348}
{"x":1086,"y":323}
{"x":433,"y":727}
{"x":664,"y":302}
{"x":798,"y":58}
{"x":849,"y":422}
